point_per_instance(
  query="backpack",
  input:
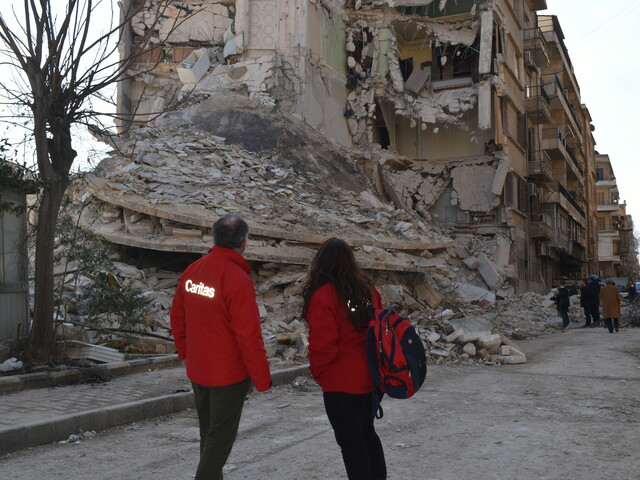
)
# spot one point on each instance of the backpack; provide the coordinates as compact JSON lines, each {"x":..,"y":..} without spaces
{"x":396,"y":356}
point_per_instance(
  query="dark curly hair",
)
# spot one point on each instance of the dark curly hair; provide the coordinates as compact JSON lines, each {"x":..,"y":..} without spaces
{"x":334,"y":262}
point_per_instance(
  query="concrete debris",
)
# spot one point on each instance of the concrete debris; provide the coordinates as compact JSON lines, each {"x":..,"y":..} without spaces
{"x":99,"y":353}
{"x":11,"y":364}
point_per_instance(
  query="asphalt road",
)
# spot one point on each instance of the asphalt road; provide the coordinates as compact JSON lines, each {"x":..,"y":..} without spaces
{"x":571,"y":412}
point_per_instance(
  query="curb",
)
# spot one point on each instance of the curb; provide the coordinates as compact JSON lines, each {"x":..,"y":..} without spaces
{"x":59,"y":428}
{"x":15,"y":383}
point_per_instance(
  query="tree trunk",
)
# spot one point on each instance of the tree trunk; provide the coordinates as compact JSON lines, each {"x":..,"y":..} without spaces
{"x":42,"y":338}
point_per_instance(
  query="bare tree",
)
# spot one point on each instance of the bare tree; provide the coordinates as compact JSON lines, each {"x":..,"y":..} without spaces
{"x":60,"y":64}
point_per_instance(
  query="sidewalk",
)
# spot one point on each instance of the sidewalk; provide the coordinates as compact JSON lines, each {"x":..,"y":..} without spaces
{"x":34,"y":416}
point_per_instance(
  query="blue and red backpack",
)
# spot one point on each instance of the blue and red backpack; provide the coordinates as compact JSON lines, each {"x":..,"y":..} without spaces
{"x":396,"y":356}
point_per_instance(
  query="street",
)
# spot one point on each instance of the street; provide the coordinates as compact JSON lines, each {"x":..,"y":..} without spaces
{"x":571,"y":412}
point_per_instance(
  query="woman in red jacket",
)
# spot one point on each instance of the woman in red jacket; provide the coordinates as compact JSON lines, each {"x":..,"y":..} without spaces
{"x":336,"y":296}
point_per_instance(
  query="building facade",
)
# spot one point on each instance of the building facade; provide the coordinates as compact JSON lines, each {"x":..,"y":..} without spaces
{"x":466,"y":113}
{"x":617,"y":249}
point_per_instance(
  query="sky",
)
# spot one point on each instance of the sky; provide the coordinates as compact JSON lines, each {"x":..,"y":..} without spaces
{"x":601,"y":38}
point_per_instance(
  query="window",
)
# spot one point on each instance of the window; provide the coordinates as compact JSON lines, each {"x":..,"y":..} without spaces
{"x":455,"y":61}
{"x":509,"y":190}
{"x":602,"y":224}
{"x":599,"y":173}
{"x":600,"y":198}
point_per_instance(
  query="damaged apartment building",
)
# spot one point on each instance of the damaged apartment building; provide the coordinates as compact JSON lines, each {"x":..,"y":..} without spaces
{"x":461,"y":113}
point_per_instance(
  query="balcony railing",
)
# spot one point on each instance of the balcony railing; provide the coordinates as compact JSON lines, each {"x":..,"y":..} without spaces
{"x":535,"y":45}
{"x":555,"y":89}
{"x":539,"y":165}
{"x":571,"y":199}
{"x":537,"y":104}
{"x":537,"y":91}
{"x":575,"y":161}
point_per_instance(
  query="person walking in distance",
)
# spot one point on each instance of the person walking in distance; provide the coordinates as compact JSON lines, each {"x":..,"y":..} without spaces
{"x":594,"y":286}
{"x":562,"y":303}
{"x":610,"y":299}
{"x":336,"y":296}
{"x":216,"y":328}
{"x":586,"y":301}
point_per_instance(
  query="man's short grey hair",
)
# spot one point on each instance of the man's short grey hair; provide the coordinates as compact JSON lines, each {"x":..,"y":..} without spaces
{"x":610,"y":281}
{"x":229,"y":231}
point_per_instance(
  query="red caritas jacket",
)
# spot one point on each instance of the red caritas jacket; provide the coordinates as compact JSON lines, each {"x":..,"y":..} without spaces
{"x":337,"y":352}
{"x":216,"y":324}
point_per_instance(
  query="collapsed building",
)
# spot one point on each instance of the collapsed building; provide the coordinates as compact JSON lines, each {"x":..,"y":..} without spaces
{"x":444,"y":140}
{"x":465,"y":112}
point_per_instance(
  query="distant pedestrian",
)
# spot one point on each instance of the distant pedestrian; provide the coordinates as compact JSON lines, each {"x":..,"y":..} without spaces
{"x":594,"y":285}
{"x":216,"y":328}
{"x":631,"y":291}
{"x":562,"y":304}
{"x":336,"y":296}
{"x":586,"y":300}
{"x":610,"y":298}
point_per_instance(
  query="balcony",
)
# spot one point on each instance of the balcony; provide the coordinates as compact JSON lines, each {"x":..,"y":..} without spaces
{"x":542,"y":227}
{"x":539,"y":166}
{"x":560,"y":195}
{"x":559,"y":99}
{"x":537,"y":104}
{"x":536,"y":45}
{"x":610,"y":207}
{"x":574,"y":203}
{"x":606,"y":183}
{"x":555,"y":143}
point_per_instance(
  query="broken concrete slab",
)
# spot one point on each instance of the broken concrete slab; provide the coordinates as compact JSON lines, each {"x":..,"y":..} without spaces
{"x":472,"y":293}
{"x":488,"y":271}
{"x":471,"y":324}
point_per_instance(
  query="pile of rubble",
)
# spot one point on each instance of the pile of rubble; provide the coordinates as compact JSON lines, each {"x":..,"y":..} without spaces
{"x":163,"y":186}
{"x":456,"y":331}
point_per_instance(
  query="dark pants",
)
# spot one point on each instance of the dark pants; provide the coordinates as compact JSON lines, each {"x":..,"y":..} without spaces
{"x":595,"y":314}
{"x":219,"y":410}
{"x":352,"y":421}
{"x":612,"y":323}
{"x":564,"y":313}
{"x":587,"y":316}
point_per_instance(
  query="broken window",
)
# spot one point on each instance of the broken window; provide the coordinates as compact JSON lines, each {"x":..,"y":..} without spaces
{"x":361,"y":54}
{"x":406,"y":68}
{"x":381,"y":132}
{"x":455,"y":61}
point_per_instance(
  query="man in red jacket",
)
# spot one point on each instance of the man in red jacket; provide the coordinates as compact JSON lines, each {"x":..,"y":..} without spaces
{"x":216,"y":328}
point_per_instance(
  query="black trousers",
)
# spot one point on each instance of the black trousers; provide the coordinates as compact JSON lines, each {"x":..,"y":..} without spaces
{"x":595,"y":314}
{"x":612,"y":323}
{"x":219,"y":410}
{"x":352,"y":421}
